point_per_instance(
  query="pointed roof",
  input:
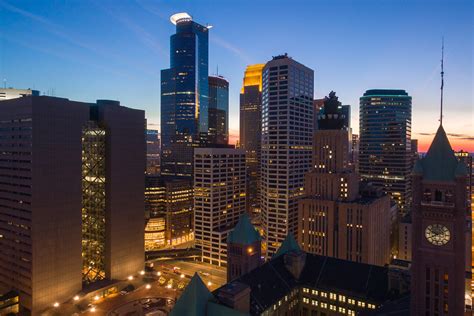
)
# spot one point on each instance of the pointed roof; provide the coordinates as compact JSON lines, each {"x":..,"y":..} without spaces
{"x":440,"y":163}
{"x":288,"y":245}
{"x":244,"y":232}
{"x":193,"y":301}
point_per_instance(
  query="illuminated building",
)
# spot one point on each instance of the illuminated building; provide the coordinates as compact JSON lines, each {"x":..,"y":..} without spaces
{"x":71,"y":215}
{"x":251,"y":132}
{"x":355,"y":153}
{"x":244,"y":249}
{"x":287,"y":131}
{"x":219,"y":199}
{"x":297,"y":283}
{"x":169,"y":202}
{"x":184,"y":96}
{"x":317,"y":106}
{"x":155,"y":230}
{"x":10,"y":93}
{"x":385,"y":156}
{"x":153,"y":149}
{"x":338,"y":217}
{"x":439,"y":230}
{"x":9,"y":303}
{"x":218,"y":114}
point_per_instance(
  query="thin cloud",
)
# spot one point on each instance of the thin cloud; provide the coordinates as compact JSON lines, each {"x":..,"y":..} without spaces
{"x":453,"y":135}
{"x":230,"y":47}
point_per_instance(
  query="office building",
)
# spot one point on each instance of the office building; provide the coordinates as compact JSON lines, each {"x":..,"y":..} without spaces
{"x":10,"y":93}
{"x":251,"y":133}
{"x":287,"y":131}
{"x":297,"y":283}
{"x":317,"y":106}
{"x":355,"y":153}
{"x":218,"y":114}
{"x":337,"y":216}
{"x":405,"y":238}
{"x":184,"y":96}
{"x":153,"y":150}
{"x":385,"y":156}
{"x":72,"y":196}
{"x":219,"y":199}
{"x":439,"y":231}
{"x":244,"y":249}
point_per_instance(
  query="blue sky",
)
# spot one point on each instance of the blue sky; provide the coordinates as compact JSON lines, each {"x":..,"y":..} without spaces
{"x":87,"y":50}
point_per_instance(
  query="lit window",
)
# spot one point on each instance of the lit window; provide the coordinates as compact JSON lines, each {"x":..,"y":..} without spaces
{"x":342,"y":298}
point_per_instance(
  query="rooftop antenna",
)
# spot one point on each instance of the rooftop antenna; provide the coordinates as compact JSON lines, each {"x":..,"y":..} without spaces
{"x":4,"y":83}
{"x":217,"y":70}
{"x":442,"y":81}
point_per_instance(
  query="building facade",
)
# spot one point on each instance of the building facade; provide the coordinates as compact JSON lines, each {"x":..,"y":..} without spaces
{"x":337,"y":217}
{"x":10,"y":93}
{"x":251,"y":133}
{"x":439,"y":231}
{"x":385,"y":156}
{"x":72,"y":196}
{"x":219,"y":199}
{"x":184,"y":96}
{"x":218,"y":114}
{"x":153,"y":150}
{"x":287,"y":131}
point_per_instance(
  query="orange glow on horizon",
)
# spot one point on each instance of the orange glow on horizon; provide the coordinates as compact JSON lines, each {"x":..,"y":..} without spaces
{"x":424,"y":143}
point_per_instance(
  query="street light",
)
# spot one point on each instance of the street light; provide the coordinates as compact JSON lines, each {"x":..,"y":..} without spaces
{"x":76,"y":298}
{"x":158,"y":273}
{"x":130,"y":277}
{"x":96,"y":298}
{"x":142,"y":272}
{"x":56,"y":304}
{"x":209,"y":283}
{"x":148,"y":286}
{"x":182,"y":276}
{"x":92,"y":309}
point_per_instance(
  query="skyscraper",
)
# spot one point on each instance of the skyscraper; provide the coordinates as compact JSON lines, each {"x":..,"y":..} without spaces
{"x":218,"y":132}
{"x":337,"y":217}
{"x":251,"y":132}
{"x":72,"y":210}
{"x":287,"y":131}
{"x":10,"y":93}
{"x":219,"y":199}
{"x":439,"y":231}
{"x":153,"y":150}
{"x":184,"y":96}
{"x":385,"y":156}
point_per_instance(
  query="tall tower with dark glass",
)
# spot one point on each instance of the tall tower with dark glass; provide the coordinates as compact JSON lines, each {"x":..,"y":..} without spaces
{"x":184,"y":96}
{"x":385,"y":157}
{"x":218,"y":114}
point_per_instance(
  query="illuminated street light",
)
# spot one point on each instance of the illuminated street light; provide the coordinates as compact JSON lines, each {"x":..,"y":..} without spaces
{"x":148,"y":286}
{"x":169,"y":286}
{"x":130,"y":277}
{"x":209,"y":283}
{"x":92,"y":310}
{"x":142,"y":272}
{"x":182,"y":276}
{"x":56,"y":304}
{"x":158,"y":273}
{"x":96,"y":298}
{"x":76,"y":298}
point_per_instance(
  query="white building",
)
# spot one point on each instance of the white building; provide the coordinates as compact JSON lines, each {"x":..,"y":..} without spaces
{"x":219,"y":199}
{"x":287,"y":131}
{"x":10,"y":93}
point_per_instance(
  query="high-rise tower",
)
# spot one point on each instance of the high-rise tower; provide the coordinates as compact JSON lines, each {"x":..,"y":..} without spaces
{"x":287,"y":131}
{"x":184,"y":96}
{"x":218,"y":111}
{"x":251,"y":132}
{"x":385,"y":156}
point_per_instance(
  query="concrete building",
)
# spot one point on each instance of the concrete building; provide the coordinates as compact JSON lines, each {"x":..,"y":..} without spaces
{"x":439,"y":231}
{"x":10,"y":93}
{"x":405,"y":238}
{"x":338,"y":217}
{"x":385,"y":155}
{"x":251,"y":133}
{"x":287,"y":131}
{"x":244,"y":249}
{"x":72,"y":196}
{"x":219,"y":199}
{"x":153,"y":150}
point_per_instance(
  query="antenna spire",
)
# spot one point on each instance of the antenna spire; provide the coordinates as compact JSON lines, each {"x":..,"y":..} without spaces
{"x":442,"y":81}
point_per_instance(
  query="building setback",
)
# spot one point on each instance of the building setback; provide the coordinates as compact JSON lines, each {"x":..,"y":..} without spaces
{"x":385,"y":156}
{"x":72,"y":196}
{"x":219,"y":199}
{"x":251,"y":133}
{"x":287,"y":131}
{"x":10,"y":93}
{"x":337,"y":217}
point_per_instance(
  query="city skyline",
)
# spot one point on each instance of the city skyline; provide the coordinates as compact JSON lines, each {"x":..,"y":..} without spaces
{"x":119,"y":53}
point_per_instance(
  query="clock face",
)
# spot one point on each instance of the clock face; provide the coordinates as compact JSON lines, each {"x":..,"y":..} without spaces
{"x":437,"y":234}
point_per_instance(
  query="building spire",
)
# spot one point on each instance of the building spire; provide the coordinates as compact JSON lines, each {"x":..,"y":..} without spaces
{"x":442,"y":81}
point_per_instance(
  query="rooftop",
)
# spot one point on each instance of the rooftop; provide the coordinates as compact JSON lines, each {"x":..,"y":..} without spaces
{"x":244,"y":232}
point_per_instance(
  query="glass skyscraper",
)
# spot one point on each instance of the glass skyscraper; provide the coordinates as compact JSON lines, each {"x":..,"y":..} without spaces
{"x":218,"y":114}
{"x":385,"y":157}
{"x":184,"y":96}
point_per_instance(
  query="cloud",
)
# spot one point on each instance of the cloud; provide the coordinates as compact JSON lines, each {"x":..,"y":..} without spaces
{"x":230,"y":47}
{"x":453,"y":135}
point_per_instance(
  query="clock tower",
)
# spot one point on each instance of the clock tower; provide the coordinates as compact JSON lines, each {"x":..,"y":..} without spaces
{"x":439,"y":231}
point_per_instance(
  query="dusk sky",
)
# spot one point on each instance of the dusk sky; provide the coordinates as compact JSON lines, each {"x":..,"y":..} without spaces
{"x":86,"y":50}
